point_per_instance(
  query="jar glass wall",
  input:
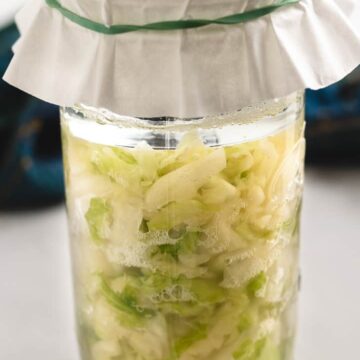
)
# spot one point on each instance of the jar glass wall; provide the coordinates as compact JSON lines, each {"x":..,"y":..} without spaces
{"x":184,"y":233}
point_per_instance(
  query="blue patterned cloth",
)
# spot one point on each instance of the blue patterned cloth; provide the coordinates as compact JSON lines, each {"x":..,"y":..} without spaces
{"x":333,"y":116}
{"x":337,"y":102}
{"x":30,"y":150}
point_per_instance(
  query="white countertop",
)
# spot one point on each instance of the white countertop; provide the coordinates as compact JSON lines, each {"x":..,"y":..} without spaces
{"x":36,"y":320}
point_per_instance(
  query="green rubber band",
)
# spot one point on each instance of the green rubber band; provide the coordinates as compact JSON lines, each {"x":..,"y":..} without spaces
{"x":168,"y":25}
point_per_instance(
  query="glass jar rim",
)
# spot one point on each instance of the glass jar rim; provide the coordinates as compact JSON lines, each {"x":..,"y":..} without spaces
{"x":246,"y":115}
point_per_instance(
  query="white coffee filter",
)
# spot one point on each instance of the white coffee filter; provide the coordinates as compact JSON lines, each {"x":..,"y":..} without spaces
{"x":183,"y":73}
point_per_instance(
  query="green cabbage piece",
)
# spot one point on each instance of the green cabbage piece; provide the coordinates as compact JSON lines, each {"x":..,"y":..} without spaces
{"x":188,"y":309}
{"x":119,"y":167}
{"x":245,"y":351}
{"x":125,"y":156}
{"x":246,"y":321}
{"x":170,"y":249}
{"x":270,"y":351}
{"x":256,"y":284}
{"x":187,"y":244}
{"x":206,"y":291}
{"x":106,"y":162}
{"x":126,"y":303}
{"x":199,"y":332}
{"x":99,"y":219}
{"x":255,"y":350}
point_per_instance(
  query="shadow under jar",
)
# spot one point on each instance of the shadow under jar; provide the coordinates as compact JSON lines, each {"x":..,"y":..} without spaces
{"x":184,"y":233}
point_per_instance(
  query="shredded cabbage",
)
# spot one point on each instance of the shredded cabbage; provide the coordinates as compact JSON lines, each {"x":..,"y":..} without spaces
{"x":99,"y":219}
{"x":186,"y":254}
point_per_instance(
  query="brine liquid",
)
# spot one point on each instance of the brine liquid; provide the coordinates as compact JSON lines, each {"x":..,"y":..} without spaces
{"x":185,"y":241}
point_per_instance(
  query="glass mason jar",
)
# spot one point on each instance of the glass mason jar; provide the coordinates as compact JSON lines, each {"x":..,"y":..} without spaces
{"x":184,"y":232}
